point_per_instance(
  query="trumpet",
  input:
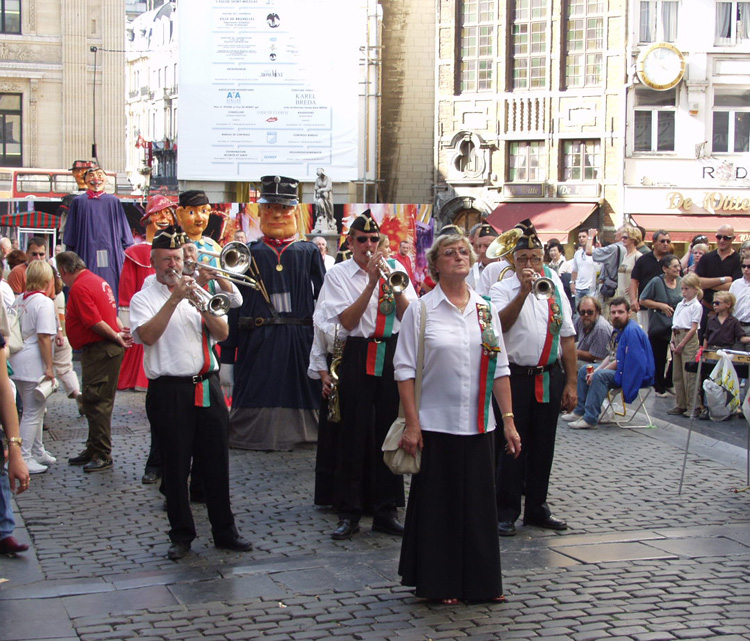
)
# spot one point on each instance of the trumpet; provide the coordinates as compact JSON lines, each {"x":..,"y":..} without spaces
{"x":235,"y":261}
{"x":214,"y":304}
{"x":397,"y":279}
{"x":190,"y":266}
{"x":503,"y":246}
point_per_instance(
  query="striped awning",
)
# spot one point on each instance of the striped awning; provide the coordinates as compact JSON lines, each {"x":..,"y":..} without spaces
{"x":34,"y":219}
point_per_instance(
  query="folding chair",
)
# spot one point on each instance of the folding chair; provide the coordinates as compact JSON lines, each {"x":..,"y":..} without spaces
{"x":622,"y":415}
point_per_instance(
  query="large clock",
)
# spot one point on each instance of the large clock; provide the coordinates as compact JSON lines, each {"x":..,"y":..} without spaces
{"x":660,"y":66}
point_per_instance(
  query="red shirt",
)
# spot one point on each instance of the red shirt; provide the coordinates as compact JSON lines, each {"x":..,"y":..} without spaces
{"x":90,"y":300}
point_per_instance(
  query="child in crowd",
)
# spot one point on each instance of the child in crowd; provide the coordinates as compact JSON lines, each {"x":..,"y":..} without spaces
{"x":685,"y":344}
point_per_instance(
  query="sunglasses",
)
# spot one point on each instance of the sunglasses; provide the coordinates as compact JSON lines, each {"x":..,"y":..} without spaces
{"x":746,"y":267}
{"x":363,"y":239}
{"x":587,"y":312}
{"x":37,"y":253}
{"x":723,"y":237}
{"x":718,"y":302}
{"x":663,"y":240}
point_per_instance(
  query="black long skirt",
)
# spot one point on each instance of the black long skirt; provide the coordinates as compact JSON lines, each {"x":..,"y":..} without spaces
{"x":451,"y":548}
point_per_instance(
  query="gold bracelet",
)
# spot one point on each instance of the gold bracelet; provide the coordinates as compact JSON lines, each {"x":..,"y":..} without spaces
{"x":15,"y":439}
{"x":508,"y":415}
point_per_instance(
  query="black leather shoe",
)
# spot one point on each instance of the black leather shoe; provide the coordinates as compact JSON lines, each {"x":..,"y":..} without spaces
{"x":345,"y":530}
{"x":236,"y":543}
{"x":83,"y":458}
{"x":149,"y":478}
{"x":177,"y":551}
{"x":97,"y":465}
{"x":388,"y":525}
{"x":550,"y":523}
{"x":506,"y":528}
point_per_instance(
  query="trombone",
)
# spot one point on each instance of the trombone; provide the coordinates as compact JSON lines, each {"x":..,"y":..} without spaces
{"x":234,"y":260}
{"x":503,"y":246}
{"x":397,"y":279}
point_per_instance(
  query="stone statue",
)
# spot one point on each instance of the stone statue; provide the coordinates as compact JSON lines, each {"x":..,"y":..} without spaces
{"x":324,"y":220}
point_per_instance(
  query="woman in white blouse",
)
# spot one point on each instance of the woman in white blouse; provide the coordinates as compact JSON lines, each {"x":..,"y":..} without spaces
{"x":33,"y":362}
{"x":451,"y":550}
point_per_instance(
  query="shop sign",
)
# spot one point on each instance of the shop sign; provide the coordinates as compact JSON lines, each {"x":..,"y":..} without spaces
{"x":523,"y":190}
{"x":579,"y":190}
{"x":714,"y":202}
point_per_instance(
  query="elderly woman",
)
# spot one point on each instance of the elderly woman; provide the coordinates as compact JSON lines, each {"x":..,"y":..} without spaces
{"x":451,"y":548}
{"x":32,"y":364}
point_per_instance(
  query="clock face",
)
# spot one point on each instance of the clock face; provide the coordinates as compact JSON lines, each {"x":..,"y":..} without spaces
{"x":661,"y":66}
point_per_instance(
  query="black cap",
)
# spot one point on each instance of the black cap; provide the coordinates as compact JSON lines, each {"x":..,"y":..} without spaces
{"x":280,"y":190}
{"x":529,"y":239}
{"x":365,"y":222}
{"x":486,"y":230}
{"x":170,"y":238}
{"x":82,"y":164}
{"x":193,"y":198}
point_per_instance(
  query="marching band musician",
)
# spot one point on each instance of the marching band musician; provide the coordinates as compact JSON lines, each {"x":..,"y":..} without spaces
{"x":274,"y":403}
{"x":184,"y":396}
{"x":356,"y":297}
{"x":483,"y":237}
{"x":538,"y":334}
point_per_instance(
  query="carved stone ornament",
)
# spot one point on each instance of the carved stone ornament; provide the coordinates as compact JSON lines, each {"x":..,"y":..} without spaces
{"x":468,"y":158}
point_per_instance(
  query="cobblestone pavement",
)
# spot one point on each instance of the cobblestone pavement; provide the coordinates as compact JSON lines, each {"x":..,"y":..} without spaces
{"x":639,"y":562}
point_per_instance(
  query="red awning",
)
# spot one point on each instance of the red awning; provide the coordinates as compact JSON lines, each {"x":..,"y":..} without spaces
{"x":682,"y":227}
{"x":552,"y":220}
{"x":36,"y":219}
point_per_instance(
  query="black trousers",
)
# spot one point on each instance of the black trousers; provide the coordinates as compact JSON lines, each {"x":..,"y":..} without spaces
{"x":188,"y":432}
{"x":529,"y":473}
{"x":369,"y":404}
{"x":662,"y":374}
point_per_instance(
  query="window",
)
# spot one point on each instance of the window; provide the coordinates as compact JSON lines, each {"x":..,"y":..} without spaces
{"x":527,"y":161}
{"x":654,"y":120}
{"x":581,"y":160}
{"x":530,"y":50}
{"x":585,"y":43}
{"x":10,"y":16}
{"x":10,"y":130}
{"x":658,"y":21}
{"x":477,"y":44}
{"x":731,"y":121}
{"x":732,"y":22}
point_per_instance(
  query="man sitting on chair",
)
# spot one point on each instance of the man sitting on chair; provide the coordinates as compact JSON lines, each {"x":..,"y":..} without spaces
{"x":629,"y":365}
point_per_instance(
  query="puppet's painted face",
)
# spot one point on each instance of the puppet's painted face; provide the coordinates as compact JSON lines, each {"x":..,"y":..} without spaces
{"x":96,"y":180}
{"x":159,"y":220}
{"x":194,"y":220}
{"x":277,"y":221}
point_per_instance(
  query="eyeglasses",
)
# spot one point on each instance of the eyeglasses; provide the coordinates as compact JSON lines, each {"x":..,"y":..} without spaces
{"x":663,"y":240}
{"x":746,"y":267}
{"x":42,"y":254}
{"x":364,"y":239}
{"x":587,"y":312}
{"x":534,"y":260}
{"x":718,"y":302}
{"x":723,"y":237}
{"x":452,"y":251}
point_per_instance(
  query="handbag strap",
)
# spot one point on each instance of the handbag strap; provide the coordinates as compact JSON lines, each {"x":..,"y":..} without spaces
{"x":420,"y":355}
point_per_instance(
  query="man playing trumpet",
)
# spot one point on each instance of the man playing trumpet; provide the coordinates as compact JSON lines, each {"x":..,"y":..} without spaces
{"x":184,"y":396}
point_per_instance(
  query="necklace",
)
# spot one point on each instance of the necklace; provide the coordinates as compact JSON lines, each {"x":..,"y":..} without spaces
{"x":279,"y":266}
{"x":462,"y":305}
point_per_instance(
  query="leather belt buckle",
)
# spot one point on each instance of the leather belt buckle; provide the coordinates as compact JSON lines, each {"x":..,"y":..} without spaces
{"x":535,"y":371}
{"x":377,"y":341}
{"x":259,"y":322}
{"x":197,"y":379}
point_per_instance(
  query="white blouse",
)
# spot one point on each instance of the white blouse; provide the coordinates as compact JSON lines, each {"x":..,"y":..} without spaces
{"x":452,"y":356}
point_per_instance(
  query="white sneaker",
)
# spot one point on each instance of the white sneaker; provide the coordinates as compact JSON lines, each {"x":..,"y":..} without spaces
{"x":34,"y":467}
{"x":570,"y":417}
{"x":580,"y":424}
{"x":45,"y":458}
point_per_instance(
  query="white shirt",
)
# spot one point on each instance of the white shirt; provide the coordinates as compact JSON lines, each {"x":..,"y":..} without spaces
{"x":179,"y":350}
{"x":343,"y":285}
{"x":585,"y":269}
{"x":475,"y":274}
{"x":452,"y":357}
{"x":525,"y":340}
{"x":489,"y":277}
{"x":329,"y":261}
{"x":7,"y":294}
{"x":686,"y":313}
{"x":38,"y":316}
{"x":324,"y":335}
{"x":741,"y":289}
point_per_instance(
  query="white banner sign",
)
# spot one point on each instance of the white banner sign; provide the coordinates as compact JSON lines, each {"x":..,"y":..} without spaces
{"x":269,"y":87}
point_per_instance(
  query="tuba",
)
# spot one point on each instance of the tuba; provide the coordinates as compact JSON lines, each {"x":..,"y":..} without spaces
{"x":503,"y":247}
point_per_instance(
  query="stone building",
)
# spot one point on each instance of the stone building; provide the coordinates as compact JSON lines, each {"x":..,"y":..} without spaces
{"x":530,"y":112}
{"x":58,"y":97}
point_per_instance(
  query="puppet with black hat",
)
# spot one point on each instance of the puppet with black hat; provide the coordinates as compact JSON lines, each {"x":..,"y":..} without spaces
{"x":540,"y":338}
{"x":274,"y":403}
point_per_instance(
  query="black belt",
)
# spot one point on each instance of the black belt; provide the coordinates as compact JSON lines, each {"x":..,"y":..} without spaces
{"x":193,"y":380}
{"x":744,"y":324}
{"x":527,"y":370}
{"x":370,"y":339}
{"x":249,"y":322}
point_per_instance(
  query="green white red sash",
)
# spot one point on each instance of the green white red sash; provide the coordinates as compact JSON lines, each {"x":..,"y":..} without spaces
{"x":551,"y":343}
{"x":487,"y":365}
{"x":383,"y":329}
{"x":210,"y":364}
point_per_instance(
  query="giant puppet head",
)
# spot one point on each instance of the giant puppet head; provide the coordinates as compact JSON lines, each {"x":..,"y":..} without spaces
{"x":159,"y":216}
{"x":277,"y":202}
{"x":193,"y":213}
{"x":95,"y":178}
{"x":79,"y":169}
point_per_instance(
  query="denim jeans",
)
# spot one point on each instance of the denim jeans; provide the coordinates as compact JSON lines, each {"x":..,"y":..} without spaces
{"x":591,"y":397}
{"x":7,"y":522}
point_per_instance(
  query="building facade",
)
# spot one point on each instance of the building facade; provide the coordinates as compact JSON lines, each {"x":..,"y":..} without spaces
{"x":530,"y":113}
{"x":61,"y":100}
{"x":687,"y":167}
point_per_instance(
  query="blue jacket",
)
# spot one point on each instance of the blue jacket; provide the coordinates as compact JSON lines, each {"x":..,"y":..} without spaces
{"x":635,"y":361}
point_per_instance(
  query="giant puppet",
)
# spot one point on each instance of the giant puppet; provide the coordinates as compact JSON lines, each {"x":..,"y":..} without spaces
{"x":97,"y":229}
{"x":275,"y":404}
